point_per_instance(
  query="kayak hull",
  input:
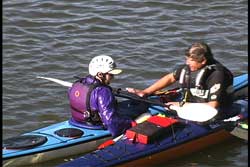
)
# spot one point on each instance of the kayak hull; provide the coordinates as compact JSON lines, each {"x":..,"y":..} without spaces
{"x":192,"y":137}
{"x":181,"y":150}
{"x":80,"y":148}
{"x":57,"y":146}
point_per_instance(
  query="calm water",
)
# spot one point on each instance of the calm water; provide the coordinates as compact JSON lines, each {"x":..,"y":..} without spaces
{"x":57,"y":39}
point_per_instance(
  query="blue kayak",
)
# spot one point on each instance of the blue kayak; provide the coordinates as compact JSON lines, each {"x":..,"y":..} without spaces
{"x":55,"y":141}
{"x":183,"y":137}
{"x":60,"y":140}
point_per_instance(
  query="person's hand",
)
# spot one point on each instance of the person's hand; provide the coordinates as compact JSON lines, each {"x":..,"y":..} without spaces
{"x":136,"y":91}
{"x":169,"y":104}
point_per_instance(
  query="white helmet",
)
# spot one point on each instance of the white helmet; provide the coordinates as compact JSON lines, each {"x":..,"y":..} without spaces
{"x":103,"y":64}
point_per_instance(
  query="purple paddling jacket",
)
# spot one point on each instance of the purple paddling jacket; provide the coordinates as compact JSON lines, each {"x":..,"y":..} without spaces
{"x":102,"y":101}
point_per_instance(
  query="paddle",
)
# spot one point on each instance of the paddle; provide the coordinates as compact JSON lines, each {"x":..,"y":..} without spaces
{"x":237,"y":128}
{"x":193,"y":111}
{"x":109,"y":142}
{"x":61,"y":82}
{"x":241,"y":131}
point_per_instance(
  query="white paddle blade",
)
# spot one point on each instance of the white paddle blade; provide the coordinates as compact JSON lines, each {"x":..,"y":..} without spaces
{"x":195,"y":112}
{"x":63,"y":83}
{"x":143,"y":117}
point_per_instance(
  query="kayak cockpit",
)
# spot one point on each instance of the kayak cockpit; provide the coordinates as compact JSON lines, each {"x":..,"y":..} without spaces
{"x":24,"y":142}
{"x":86,"y":125}
{"x":29,"y":141}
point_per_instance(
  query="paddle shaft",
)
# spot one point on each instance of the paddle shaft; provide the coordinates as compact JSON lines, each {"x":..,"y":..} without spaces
{"x":117,"y":92}
{"x":125,"y":94}
{"x":196,"y":115}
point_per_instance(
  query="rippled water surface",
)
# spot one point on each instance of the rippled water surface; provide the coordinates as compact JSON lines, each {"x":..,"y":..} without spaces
{"x":147,"y":38}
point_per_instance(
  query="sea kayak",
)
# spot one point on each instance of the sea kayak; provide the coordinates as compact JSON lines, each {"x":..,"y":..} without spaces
{"x":69,"y":137}
{"x":61,"y":139}
{"x":143,"y":148}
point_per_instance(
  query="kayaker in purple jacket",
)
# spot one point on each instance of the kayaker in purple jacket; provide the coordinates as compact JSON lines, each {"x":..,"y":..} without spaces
{"x":92,"y":100}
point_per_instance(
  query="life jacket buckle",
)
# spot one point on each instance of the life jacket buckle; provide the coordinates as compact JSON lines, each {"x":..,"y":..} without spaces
{"x":86,"y":114}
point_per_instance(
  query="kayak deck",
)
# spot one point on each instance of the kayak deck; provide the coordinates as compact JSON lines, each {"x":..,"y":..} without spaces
{"x":57,"y":144}
{"x":189,"y":138}
{"x":54,"y":140}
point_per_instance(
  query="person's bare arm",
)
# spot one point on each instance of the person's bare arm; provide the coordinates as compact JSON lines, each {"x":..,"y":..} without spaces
{"x":158,"y":85}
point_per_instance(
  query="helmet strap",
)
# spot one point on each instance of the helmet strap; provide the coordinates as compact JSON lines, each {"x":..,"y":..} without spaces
{"x":100,"y":76}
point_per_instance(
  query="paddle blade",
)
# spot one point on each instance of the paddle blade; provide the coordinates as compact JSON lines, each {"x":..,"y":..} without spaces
{"x":240,"y":133}
{"x":109,"y":142}
{"x":195,"y":112}
{"x":143,"y":117}
{"x":106,"y":144}
{"x":61,"y":82}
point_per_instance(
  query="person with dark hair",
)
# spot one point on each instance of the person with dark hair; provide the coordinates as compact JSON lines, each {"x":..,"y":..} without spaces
{"x":202,"y":79}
